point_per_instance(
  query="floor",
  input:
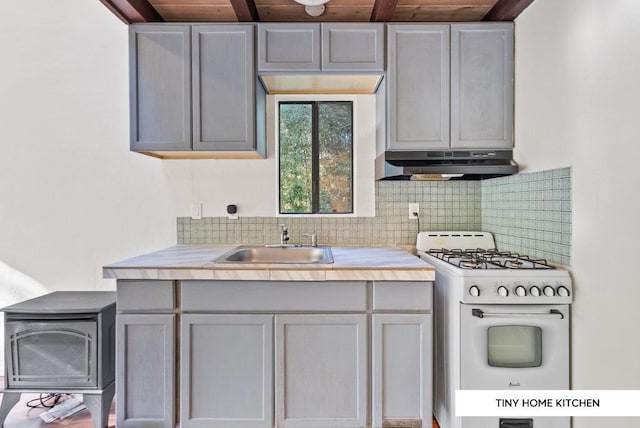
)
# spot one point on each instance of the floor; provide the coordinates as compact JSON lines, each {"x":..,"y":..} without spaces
{"x":23,"y":417}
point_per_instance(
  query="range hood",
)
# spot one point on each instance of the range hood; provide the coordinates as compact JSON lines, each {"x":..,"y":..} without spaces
{"x":463,"y":164}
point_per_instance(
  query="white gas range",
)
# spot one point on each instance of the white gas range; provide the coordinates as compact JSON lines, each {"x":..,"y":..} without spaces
{"x":501,"y":322}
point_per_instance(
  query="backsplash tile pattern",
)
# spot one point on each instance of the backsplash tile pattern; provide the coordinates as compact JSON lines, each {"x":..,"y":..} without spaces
{"x":530,"y":213}
{"x":527,"y":213}
{"x":444,"y":205}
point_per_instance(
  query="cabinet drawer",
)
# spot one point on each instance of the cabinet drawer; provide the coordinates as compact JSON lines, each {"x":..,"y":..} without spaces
{"x":145,"y":295}
{"x":273,"y":296}
{"x":407,"y":296}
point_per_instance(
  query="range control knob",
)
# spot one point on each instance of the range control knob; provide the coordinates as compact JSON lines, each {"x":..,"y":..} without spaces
{"x":474,"y":291}
{"x":549,"y":291}
{"x":521,"y":291}
{"x":502,"y":291}
{"x":534,"y":291}
{"x":563,"y":291}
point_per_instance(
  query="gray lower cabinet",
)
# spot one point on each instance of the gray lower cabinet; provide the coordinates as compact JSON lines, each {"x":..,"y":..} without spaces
{"x":450,"y":86}
{"x":321,"y":370}
{"x":312,"y":47}
{"x":145,"y":363}
{"x":282,"y":354}
{"x":193,"y":89}
{"x":232,"y":356}
{"x":402,"y":370}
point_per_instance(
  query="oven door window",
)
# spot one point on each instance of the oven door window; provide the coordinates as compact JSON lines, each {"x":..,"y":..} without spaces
{"x":515,"y":346}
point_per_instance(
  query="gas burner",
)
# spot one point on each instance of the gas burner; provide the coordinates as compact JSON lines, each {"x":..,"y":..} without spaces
{"x":513,"y":264}
{"x":481,"y":258}
{"x":471,"y":264}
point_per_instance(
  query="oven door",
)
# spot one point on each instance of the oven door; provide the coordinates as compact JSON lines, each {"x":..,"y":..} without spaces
{"x":514,"y":347}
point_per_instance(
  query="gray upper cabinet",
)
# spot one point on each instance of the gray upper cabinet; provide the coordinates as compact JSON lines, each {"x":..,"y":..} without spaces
{"x":223,"y":87}
{"x":418,"y":86}
{"x":450,"y":86}
{"x":193,"y":89}
{"x":482,"y":85}
{"x":320,"y":47}
{"x":287,"y":47}
{"x":352,"y":47}
{"x":160,"y":79}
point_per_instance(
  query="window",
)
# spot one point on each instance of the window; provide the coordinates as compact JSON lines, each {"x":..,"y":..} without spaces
{"x":315,"y":157}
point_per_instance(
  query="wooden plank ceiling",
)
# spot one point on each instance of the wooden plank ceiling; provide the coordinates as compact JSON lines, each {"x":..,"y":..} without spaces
{"x":335,"y":10}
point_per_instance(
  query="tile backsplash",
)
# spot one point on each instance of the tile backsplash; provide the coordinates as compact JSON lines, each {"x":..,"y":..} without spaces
{"x":530,"y":213}
{"x":527,"y":213}
{"x":444,"y":205}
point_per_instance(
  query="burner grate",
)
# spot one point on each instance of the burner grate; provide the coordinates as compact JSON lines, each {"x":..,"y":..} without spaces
{"x":481,"y":258}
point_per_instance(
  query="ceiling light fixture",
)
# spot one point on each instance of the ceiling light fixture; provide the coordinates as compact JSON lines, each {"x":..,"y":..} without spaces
{"x":313,"y":7}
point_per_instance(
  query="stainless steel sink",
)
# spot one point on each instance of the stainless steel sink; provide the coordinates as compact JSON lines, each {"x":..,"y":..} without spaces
{"x":288,"y":254}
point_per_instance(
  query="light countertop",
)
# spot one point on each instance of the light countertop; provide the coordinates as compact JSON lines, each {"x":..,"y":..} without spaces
{"x":184,"y":262}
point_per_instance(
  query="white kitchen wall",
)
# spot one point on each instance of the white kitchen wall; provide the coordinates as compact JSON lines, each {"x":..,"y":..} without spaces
{"x":72,"y":196}
{"x":577,"y":92}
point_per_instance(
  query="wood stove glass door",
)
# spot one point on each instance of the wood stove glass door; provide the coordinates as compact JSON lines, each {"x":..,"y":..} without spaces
{"x":51,"y":353}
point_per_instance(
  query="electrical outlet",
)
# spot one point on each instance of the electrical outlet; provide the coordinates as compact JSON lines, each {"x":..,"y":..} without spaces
{"x":414,"y":211}
{"x":196,"y":211}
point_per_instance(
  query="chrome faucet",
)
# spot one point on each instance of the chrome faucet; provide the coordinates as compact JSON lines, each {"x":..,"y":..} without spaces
{"x":284,"y":234}
{"x":314,"y":238}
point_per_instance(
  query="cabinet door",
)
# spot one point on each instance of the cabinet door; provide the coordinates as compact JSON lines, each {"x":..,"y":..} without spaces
{"x":227,"y":371}
{"x":145,"y":360}
{"x":418,"y":86}
{"x":482,"y":85}
{"x":223,"y":87}
{"x":321,"y":371}
{"x":402,"y":370}
{"x":352,"y":47}
{"x":160,"y":87}
{"x":289,"y":47}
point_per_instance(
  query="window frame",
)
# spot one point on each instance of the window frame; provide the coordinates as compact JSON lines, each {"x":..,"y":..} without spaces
{"x":315,"y":156}
{"x":368,"y":131}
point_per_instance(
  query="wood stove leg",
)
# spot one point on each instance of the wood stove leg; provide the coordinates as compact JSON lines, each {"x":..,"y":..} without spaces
{"x":99,"y":405}
{"x":9,"y":399}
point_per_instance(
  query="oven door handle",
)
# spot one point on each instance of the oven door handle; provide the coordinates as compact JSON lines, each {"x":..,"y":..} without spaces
{"x":479,"y":313}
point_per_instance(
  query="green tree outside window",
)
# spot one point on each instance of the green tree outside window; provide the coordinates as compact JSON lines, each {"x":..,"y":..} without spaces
{"x":316,"y":157}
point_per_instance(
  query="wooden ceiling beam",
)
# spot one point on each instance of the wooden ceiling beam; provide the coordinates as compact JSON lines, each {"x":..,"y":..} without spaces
{"x":506,"y":10}
{"x":383,"y":10}
{"x":246,"y":10}
{"x":131,"y":11}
